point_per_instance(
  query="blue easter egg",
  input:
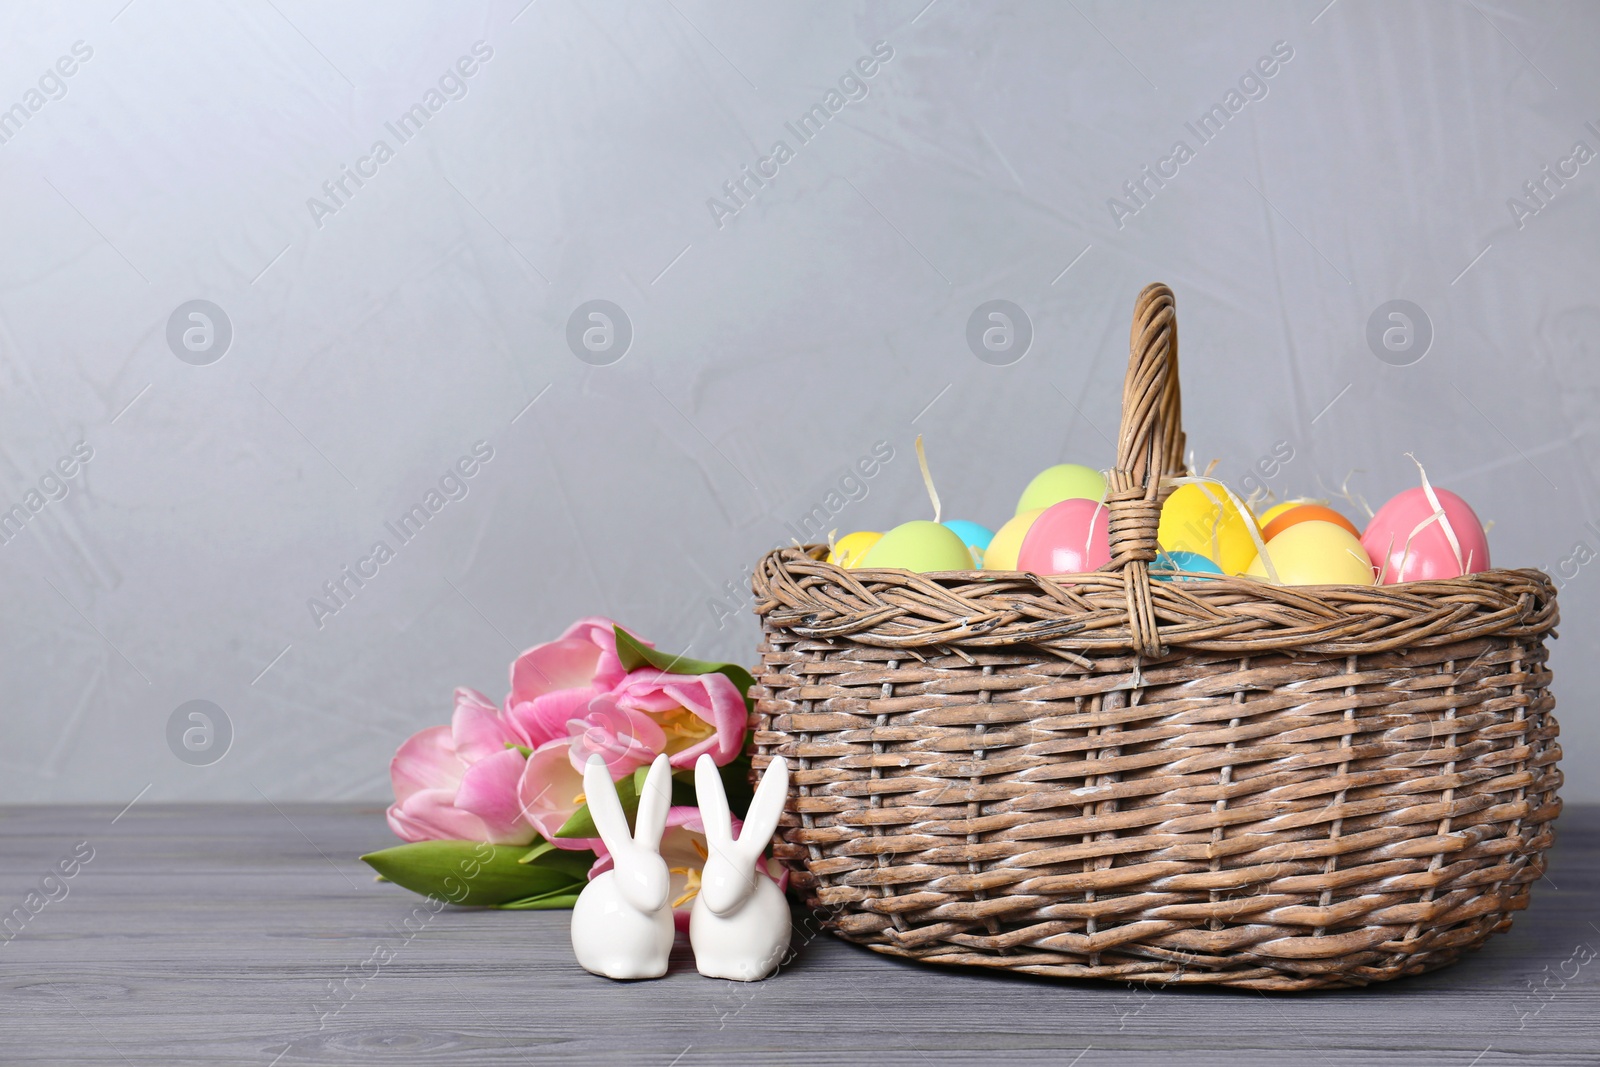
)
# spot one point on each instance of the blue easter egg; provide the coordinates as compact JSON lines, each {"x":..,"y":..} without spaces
{"x":975,"y":537}
{"x":971,"y":534}
{"x":1168,"y":562}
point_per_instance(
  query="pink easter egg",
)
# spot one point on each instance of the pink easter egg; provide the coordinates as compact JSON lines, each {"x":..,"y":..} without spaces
{"x":1070,"y":537}
{"x":1430,"y":554}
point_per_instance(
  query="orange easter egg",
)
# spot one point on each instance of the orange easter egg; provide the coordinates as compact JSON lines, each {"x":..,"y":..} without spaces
{"x":1305,"y":513}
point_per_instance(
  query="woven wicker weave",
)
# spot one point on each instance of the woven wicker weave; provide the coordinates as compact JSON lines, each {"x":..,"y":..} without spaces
{"x":1206,"y":782}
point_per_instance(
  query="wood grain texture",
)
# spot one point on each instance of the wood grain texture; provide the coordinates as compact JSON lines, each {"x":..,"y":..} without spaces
{"x":211,"y":935}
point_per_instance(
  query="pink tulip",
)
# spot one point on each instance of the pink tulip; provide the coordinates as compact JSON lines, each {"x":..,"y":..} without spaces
{"x":554,"y":682}
{"x":696,"y":712}
{"x":624,"y":738}
{"x":551,"y":791}
{"x":683,"y":846}
{"x":460,"y":782}
{"x":477,"y":727}
{"x":570,"y":698}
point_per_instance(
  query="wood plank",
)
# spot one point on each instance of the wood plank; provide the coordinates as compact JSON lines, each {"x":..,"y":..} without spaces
{"x":211,"y":935}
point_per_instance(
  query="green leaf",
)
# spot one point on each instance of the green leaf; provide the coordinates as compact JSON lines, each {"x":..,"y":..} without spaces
{"x":582,"y":823}
{"x":683,"y":794}
{"x":524,"y":749}
{"x":735,"y":785}
{"x":536,"y":851}
{"x":634,"y":655}
{"x":477,"y":874}
{"x":574,"y":863}
{"x":558,"y":899}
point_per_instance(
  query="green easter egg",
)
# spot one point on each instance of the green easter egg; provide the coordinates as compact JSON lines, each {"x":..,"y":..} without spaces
{"x":1064,"y":481}
{"x":919,"y":546}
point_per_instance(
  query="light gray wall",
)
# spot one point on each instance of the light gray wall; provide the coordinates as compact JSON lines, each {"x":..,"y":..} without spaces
{"x":374,"y":344}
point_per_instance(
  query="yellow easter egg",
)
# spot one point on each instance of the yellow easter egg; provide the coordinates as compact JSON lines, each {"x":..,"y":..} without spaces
{"x":1191,"y":522}
{"x":1001,"y":555}
{"x":850,"y":549}
{"x":1316,"y":553}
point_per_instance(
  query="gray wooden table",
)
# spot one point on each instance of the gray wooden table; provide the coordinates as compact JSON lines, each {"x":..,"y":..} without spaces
{"x":219,"y":935}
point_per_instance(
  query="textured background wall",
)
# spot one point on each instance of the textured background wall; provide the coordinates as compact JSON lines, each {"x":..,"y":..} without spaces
{"x":378,"y":336}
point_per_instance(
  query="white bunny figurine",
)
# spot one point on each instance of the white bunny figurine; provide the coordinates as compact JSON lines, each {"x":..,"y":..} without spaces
{"x":740,"y":924}
{"x":621,"y":924}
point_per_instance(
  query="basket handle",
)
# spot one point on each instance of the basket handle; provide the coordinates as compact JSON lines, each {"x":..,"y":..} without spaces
{"x":1149,"y":446}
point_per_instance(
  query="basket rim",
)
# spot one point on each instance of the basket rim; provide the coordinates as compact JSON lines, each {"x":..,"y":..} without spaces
{"x":797,"y":591}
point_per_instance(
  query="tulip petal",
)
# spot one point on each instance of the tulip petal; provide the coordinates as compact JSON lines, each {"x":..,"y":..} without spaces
{"x":624,"y":738}
{"x":544,"y":718}
{"x":427,"y":760}
{"x":712,"y":698}
{"x":431,"y":815}
{"x":489,"y":791}
{"x":568,"y":663}
{"x":715,"y":699}
{"x":601,"y":632}
{"x":548,"y":793}
{"x":477,"y":728}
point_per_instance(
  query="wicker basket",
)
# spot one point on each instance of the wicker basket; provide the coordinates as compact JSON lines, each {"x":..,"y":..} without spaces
{"x":1214,"y":782}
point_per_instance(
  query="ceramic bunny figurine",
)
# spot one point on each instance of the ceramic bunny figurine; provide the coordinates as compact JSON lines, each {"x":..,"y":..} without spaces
{"x":739,"y":926}
{"x":621,"y":924}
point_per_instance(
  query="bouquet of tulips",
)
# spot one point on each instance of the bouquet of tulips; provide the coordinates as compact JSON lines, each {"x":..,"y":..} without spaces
{"x":492,"y":806}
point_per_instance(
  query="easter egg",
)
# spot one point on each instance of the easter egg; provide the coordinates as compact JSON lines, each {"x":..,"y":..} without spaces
{"x":1168,"y":562}
{"x":977,"y":537}
{"x":1191,"y":522}
{"x":849,"y":550}
{"x":1064,"y":481}
{"x":1278,"y":509}
{"x":1304,"y":513}
{"x":1070,"y":537}
{"x":919,"y":545}
{"x":1429,"y":554}
{"x":1316,"y":553}
{"x":1001,"y":555}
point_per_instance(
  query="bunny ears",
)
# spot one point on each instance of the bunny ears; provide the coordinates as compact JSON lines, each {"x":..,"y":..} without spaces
{"x":759,"y":822}
{"x":654,"y":801}
{"x":656,"y":798}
